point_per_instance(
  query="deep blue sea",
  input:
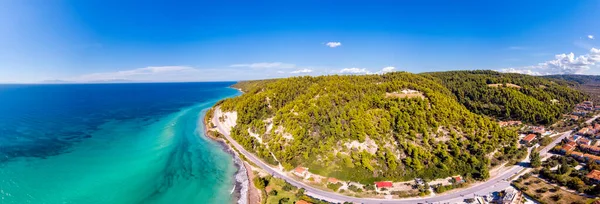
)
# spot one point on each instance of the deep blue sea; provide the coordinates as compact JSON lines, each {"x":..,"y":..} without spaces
{"x":111,"y":143}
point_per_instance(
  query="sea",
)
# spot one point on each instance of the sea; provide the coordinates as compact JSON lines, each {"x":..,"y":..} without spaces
{"x":112,"y":143}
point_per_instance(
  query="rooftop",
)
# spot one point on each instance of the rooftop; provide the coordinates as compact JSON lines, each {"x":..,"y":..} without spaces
{"x":383,"y":184}
{"x":594,"y":174}
{"x":529,"y":138}
{"x":300,"y":170}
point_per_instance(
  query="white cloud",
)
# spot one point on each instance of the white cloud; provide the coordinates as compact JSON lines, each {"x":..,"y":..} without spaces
{"x":140,"y":74}
{"x":333,"y":44}
{"x":386,"y":70}
{"x":365,"y":71}
{"x":591,"y":37}
{"x":354,"y":71}
{"x":302,"y":71}
{"x":265,"y":65}
{"x":562,"y":64}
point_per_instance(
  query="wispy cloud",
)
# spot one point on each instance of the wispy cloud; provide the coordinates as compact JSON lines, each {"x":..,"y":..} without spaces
{"x":266,"y":65}
{"x":561,"y":64}
{"x":355,"y":70}
{"x":386,"y":70}
{"x":302,"y":71}
{"x":591,"y":37}
{"x":141,"y":74}
{"x":333,"y":44}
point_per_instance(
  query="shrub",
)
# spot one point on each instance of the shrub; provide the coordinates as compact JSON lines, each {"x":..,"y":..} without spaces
{"x":556,"y":197}
{"x":260,"y":183}
{"x":334,"y":186}
{"x":284,"y":200}
{"x":273,"y":193}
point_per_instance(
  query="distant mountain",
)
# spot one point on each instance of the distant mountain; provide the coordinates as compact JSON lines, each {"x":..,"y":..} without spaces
{"x":589,"y":84}
{"x":58,"y":81}
{"x":580,"y":79}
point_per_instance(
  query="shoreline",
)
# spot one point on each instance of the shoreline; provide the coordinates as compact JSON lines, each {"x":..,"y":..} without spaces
{"x":241,"y":192}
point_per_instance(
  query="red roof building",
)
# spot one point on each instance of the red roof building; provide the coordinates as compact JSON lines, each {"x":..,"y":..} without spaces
{"x":383,"y":184}
{"x":567,"y":148}
{"x":527,"y":139}
{"x":457,"y":179}
{"x":332,"y":180}
{"x":594,"y":176}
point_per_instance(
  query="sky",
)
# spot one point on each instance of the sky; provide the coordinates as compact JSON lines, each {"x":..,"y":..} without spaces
{"x":159,"y":41}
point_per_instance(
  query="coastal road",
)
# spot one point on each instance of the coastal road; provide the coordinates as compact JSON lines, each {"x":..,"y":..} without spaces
{"x":493,"y":184}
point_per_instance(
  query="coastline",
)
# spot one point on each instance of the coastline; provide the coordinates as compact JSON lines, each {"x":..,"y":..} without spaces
{"x":241,"y":192}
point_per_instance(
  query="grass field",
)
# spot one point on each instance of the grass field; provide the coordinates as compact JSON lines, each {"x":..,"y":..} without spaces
{"x":546,"y":193}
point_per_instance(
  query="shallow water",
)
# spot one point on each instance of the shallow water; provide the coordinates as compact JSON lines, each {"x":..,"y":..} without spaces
{"x":118,"y":143}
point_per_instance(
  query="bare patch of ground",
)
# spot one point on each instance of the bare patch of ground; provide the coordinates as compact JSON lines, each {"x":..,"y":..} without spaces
{"x":507,"y":85}
{"x":369,"y":145}
{"x":406,"y":93}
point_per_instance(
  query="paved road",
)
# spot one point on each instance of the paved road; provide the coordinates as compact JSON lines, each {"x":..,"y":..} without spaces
{"x":549,"y":147}
{"x":492,"y":183}
{"x":592,"y":119}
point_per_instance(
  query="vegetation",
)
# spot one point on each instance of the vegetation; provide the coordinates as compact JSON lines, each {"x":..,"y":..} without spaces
{"x":535,"y":159}
{"x":279,"y":191}
{"x":361,"y":128}
{"x":589,"y":84}
{"x":535,"y":100}
{"x":544,"y":192}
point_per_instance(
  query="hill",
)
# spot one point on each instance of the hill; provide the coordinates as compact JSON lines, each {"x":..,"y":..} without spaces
{"x":509,"y":96}
{"x":589,"y":84}
{"x":396,"y":126}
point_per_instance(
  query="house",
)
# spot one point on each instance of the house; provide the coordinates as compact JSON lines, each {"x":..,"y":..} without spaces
{"x":583,"y":131}
{"x":457,"y":179}
{"x":594,"y":176}
{"x":567,"y":148}
{"x":597,"y":107}
{"x":332,"y":180}
{"x":574,"y":117}
{"x":301,"y":172}
{"x":584,"y":141}
{"x":302,"y":202}
{"x":590,"y":157}
{"x":383,"y":184}
{"x":527,"y":139}
{"x":577,"y":155}
{"x":591,"y":149}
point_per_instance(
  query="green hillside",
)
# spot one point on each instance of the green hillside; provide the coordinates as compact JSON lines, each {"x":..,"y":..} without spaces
{"x":364,"y":128}
{"x":519,"y":97}
{"x":589,"y":84}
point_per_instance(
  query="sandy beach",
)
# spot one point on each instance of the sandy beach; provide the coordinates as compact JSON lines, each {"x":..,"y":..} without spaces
{"x":244,"y":192}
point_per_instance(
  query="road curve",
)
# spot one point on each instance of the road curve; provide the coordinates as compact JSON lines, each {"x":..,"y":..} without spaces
{"x":334,"y":197}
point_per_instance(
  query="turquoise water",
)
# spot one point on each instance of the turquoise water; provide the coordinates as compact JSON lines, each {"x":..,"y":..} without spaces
{"x":135,"y":152}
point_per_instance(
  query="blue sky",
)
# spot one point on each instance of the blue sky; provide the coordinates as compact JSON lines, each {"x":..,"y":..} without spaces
{"x":92,"y":40}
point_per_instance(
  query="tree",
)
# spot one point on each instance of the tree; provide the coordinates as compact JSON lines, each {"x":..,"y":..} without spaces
{"x":284,"y":200}
{"x":535,"y":159}
{"x":260,"y":183}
